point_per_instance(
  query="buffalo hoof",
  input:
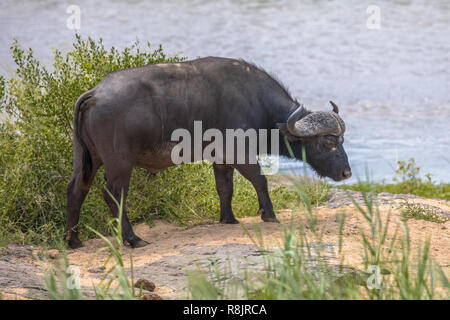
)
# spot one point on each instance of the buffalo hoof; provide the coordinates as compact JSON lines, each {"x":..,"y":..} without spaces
{"x":74,"y":243}
{"x":138,"y":243}
{"x":268,"y":217}
{"x":229,"y":221}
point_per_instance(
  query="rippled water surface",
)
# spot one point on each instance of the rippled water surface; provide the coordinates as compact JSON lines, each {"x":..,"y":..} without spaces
{"x":392,"y":84}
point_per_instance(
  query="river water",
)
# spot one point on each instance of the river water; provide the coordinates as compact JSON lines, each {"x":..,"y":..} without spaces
{"x":392,"y":83}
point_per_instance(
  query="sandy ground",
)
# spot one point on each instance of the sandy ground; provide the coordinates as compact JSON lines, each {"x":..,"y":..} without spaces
{"x":173,"y":250}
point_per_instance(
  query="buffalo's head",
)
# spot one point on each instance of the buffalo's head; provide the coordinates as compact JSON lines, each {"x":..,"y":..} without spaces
{"x":322,"y":135}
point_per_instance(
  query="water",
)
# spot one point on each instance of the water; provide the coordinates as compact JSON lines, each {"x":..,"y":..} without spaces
{"x":392,"y":84}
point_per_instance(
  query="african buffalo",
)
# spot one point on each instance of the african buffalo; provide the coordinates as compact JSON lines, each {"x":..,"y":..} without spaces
{"x":128,"y":118}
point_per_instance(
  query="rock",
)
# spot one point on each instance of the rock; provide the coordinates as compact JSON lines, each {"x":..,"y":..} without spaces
{"x":385,"y":271}
{"x":53,"y":253}
{"x":145,"y":285}
{"x":41,"y":252}
{"x":97,"y":270}
{"x":38,"y":252}
{"x":353,"y":276}
{"x":151,"y":296}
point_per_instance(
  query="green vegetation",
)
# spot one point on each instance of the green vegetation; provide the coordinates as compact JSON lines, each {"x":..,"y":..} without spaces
{"x":36,"y":153}
{"x":313,"y":191}
{"x":115,"y":272}
{"x":422,"y":212}
{"x":36,"y":163}
{"x":298,"y":269}
{"x":58,"y":281}
{"x":407,"y":181}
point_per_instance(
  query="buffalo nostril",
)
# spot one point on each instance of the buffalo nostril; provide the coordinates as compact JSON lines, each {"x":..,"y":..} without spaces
{"x":347,"y":173}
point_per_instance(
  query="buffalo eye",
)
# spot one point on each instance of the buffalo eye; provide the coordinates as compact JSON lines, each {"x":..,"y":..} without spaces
{"x":329,"y":143}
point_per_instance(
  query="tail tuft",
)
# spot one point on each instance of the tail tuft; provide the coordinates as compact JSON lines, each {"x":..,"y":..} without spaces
{"x":87,"y":165}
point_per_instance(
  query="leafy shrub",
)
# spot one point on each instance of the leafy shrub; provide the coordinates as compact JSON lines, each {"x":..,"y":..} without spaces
{"x":422,"y":212}
{"x":407,"y":181}
{"x":36,"y":152}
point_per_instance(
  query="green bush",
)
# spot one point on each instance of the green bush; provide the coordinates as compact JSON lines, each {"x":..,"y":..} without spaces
{"x":422,"y":212}
{"x":36,"y":152}
{"x":407,"y":181}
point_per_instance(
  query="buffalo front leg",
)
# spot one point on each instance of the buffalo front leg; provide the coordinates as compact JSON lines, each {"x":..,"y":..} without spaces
{"x":252,"y":172}
{"x":118,"y":180}
{"x":224,"y":186}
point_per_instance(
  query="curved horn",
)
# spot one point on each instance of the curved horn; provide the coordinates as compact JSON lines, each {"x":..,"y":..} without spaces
{"x":293,"y":119}
{"x":335,"y":107}
{"x":319,"y":124}
{"x":315,"y":123}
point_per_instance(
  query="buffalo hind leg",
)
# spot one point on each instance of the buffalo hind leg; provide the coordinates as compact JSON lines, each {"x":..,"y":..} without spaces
{"x":77,"y":190}
{"x":224,"y":186}
{"x":252,"y":172}
{"x":118,"y":180}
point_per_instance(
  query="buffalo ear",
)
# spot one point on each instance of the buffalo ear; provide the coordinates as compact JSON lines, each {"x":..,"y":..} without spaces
{"x":285,"y":132}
